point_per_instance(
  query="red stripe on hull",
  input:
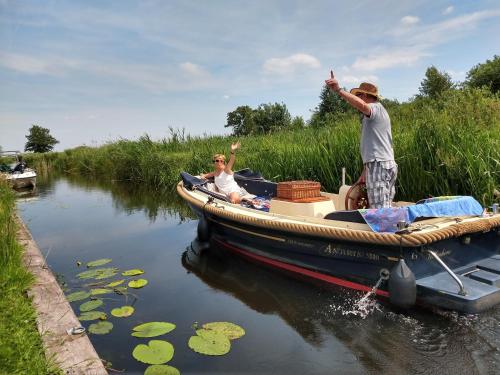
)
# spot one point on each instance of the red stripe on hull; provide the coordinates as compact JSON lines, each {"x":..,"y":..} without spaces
{"x":303,"y":271}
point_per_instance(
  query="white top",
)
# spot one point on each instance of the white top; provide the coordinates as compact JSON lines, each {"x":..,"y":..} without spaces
{"x":226,"y":183}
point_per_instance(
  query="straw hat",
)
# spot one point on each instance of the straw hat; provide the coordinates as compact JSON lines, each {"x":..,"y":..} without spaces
{"x":367,"y":88}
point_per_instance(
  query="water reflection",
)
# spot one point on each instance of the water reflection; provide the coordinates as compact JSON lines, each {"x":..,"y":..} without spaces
{"x":416,"y":341}
{"x":131,"y":198}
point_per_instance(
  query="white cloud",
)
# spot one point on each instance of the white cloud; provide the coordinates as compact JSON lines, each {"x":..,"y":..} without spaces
{"x":290,"y":64}
{"x":409,"y":20}
{"x":410,"y":47}
{"x":389,"y":58}
{"x":448,"y":10}
{"x":358,"y":79}
{"x":226,"y":97}
{"x":193,"y":69}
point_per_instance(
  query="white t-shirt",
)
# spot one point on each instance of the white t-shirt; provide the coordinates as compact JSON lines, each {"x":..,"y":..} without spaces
{"x":226,"y":183}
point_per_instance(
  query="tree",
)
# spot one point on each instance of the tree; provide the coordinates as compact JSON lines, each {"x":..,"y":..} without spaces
{"x":435,"y":83}
{"x":485,"y":74}
{"x":271,"y":117}
{"x":331,"y":103}
{"x":39,"y":140}
{"x":241,"y":119}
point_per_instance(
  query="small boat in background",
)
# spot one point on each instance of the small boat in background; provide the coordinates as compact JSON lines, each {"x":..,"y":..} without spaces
{"x":442,"y":252}
{"x":14,"y":170}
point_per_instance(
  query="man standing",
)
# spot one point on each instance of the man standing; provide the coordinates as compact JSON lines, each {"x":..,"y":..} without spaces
{"x":380,"y":169}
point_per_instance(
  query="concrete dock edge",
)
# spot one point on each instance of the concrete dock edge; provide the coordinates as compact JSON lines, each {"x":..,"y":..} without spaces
{"x":74,"y":354}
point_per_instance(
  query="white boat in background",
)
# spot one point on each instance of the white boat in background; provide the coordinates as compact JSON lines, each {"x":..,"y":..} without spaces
{"x":15,"y":171}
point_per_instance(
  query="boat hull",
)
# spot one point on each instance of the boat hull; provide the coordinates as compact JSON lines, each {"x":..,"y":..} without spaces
{"x":358,"y":265}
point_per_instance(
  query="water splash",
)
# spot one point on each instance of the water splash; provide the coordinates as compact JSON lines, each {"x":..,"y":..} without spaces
{"x":364,"y":306}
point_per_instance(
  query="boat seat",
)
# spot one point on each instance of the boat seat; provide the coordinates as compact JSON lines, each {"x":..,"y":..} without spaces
{"x":352,"y":216}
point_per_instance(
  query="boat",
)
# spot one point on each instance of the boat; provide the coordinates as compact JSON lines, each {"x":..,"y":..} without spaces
{"x":441,"y":252}
{"x":15,"y":171}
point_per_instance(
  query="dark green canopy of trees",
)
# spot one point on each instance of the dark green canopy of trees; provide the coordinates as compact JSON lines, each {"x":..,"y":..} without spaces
{"x":435,"y":83}
{"x":266,"y":118}
{"x":40,"y":140}
{"x":485,"y":74}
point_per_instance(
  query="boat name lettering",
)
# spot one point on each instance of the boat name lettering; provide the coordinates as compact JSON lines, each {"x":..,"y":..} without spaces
{"x":299,"y":243}
{"x":335,"y":250}
{"x":439,"y":253}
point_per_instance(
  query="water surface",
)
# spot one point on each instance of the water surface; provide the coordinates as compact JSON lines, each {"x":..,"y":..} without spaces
{"x":292,"y":326}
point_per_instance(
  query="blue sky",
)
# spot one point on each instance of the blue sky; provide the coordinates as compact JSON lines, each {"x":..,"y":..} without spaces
{"x":96,"y":71}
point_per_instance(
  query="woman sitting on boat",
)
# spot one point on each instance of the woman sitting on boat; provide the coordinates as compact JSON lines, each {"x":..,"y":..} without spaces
{"x":223,"y":175}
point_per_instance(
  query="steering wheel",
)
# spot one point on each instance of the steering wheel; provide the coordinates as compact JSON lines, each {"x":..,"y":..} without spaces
{"x":356,"y":197}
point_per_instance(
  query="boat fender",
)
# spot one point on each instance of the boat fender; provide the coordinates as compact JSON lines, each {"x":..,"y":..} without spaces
{"x":402,"y":286}
{"x":203,"y":229}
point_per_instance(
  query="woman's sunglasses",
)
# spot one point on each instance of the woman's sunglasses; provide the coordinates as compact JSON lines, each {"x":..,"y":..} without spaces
{"x":218,"y":161}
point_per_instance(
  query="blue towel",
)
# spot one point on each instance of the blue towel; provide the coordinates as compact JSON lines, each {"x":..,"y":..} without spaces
{"x":386,"y":219}
{"x":458,"y":206}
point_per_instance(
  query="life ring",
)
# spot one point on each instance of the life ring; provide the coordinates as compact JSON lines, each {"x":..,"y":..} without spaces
{"x":356,"y":197}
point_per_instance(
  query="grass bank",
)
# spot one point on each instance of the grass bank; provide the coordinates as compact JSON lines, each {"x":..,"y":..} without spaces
{"x":21,"y":350}
{"x":443,"y":147}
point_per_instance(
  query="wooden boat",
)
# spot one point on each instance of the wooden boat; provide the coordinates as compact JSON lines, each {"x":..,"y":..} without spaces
{"x":15,"y":172}
{"x":450,"y":261}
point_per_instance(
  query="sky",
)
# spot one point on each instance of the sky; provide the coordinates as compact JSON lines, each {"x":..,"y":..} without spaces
{"x":96,"y":71}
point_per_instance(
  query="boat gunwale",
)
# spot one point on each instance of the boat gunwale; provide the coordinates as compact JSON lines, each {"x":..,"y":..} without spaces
{"x":455,"y":227}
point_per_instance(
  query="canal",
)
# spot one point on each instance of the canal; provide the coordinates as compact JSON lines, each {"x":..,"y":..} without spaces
{"x":292,"y":326}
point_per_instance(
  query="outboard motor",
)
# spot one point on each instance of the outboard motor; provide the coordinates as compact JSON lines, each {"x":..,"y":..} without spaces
{"x":402,"y":286}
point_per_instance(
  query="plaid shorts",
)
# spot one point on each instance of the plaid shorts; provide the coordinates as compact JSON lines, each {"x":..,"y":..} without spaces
{"x":380,"y":182}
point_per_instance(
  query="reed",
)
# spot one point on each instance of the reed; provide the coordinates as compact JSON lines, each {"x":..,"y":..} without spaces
{"x":21,"y":350}
{"x":443,"y":147}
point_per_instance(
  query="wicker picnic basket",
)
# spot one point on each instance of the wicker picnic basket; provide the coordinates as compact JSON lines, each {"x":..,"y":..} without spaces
{"x":298,"y":190}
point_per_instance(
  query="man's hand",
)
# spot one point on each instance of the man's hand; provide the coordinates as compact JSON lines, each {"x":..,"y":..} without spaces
{"x":332,"y":83}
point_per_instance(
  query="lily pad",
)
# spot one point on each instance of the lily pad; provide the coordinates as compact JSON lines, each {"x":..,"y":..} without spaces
{"x":209,"y":342}
{"x":92,"y":315}
{"x":90,"y":305}
{"x":155,"y":353}
{"x":122,"y":312}
{"x":230,"y":330}
{"x":115,"y":283}
{"x":152,"y":329}
{"x":98,"y":262}
{"x":134,"y":272}
{"x":78,"y":296}
{"x":161,"y":370}
{"x":139,"y":283}
{"x":98,"y":291}
{"x":98,"y":273}
{"x":100,"y":328}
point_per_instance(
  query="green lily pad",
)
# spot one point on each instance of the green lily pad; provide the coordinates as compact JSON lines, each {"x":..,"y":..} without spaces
{"x":209,"y":342}
{"x":230,"y":330}
{"x":98,"y":262}
{"x":134,"y":272}
{"x":78,"y":296}
{"x":98,"y":291}
{"x":152,"y":329}
{"x":122,"y":312}
{"x":139,"y":283}
{"x":100,"y":328}
{"x":161,"y":370}
{"x":115,"y":283}
{"x":98,"y":273}
{"x":92,"y":315}
{"x":155,"y":353}
{"x":90,"y":305}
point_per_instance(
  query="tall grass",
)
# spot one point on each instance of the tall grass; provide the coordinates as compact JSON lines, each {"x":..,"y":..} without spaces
{"x":21,"y":350}
{"x":444,"y":147}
